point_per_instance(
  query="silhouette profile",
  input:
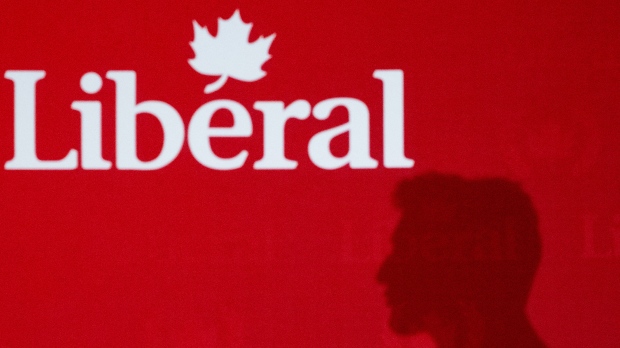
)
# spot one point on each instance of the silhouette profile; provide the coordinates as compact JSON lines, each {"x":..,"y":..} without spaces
{"x":464,"y":257}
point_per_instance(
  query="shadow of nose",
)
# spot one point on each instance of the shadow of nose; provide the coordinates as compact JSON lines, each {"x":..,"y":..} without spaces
{"x":383,"y":272}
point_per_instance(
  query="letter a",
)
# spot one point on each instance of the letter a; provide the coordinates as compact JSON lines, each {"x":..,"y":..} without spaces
{"x":358,"y":127}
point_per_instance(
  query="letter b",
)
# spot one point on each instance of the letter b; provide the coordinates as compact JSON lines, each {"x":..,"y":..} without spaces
{"x":126,"y":113}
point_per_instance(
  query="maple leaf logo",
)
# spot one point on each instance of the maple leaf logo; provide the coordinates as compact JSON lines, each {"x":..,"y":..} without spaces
{"x":229,"y":53}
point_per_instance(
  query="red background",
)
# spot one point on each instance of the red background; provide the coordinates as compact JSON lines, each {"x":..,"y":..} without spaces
{"x":189,"y":256}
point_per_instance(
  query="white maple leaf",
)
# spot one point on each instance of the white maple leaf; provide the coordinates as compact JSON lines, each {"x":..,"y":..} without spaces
{"x":229,"y":53}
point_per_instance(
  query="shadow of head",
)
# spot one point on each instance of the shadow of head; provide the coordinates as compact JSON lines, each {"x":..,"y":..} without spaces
{"x":464,"y":251}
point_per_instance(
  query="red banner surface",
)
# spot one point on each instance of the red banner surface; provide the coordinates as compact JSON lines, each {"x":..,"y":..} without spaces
{"x":173,"y":177}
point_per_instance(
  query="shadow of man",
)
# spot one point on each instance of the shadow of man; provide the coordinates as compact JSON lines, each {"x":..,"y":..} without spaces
{"x":464,"y":257}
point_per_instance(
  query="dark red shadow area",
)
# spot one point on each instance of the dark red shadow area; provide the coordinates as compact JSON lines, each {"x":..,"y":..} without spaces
{"x":464,"y":258}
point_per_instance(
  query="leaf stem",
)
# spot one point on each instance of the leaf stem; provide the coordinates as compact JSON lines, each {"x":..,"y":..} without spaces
{"x":212,"y":87}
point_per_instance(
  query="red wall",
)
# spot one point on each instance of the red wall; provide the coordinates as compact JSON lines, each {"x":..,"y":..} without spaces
{"x":190,"y":256}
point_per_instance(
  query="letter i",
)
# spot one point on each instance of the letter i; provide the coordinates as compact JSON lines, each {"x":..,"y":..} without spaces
{"x":90,"y":112}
